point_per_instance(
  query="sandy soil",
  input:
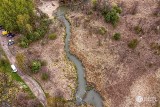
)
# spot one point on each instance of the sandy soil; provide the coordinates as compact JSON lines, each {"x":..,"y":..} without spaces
{"x":120,"y":74}
{"x":48,"y":7}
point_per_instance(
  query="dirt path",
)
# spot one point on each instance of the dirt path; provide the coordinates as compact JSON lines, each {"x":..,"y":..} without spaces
{"x":32,"y":84}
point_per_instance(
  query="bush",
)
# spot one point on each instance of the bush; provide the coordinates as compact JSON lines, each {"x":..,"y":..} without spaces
{"x":24,"y":42}
{"x":112,"y":17}
{"x":3,"y":62}
{"x":157,"y":10}
{"x":156,"y":47}
{"x":43,"y":63}
{"x":52,"y":36}
{"x":133,"y":44}
{"x":94,"y":2}
{"x":35,"y":66}
{"x":45,"y":76}
{"x":102,"y":30}
{"x":138,"y":29}
{"x":118,"y":9}
{"x":37,"y":33}
{"x":117,"y":36}
{"x":21,"y":61}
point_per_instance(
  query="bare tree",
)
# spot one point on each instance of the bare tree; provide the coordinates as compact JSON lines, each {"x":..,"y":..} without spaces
{"x":33,"y":103}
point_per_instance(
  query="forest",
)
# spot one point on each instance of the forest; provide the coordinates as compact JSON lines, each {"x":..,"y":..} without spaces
{"x":22,"y":17}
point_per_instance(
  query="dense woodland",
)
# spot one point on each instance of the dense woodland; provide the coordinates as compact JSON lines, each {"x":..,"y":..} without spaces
{"x":17,"y":16}
{"x":21,"y":17}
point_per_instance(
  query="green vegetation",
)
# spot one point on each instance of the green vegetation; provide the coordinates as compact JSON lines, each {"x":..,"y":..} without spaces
{"x":133,"y":44}
{"x":94,"y":2}
{"x":52,"y":36}
{"x":138,"y":29}
{"x":35,"y":66}
{"x":43,"y":63}
{"x":20,"y":60}
{"x":7,"y":88}
{"x":17,"y":16}
{"x":112,"y":15}
{"x":24,"y":42}
{"x":156,"y":47}
{"x":37,"y":34}
{"x":20,"y":17}
{"x":89,"y":87}
{"x":54,"y":101}
{"x":45,"y":76}
{"x":117,"y":36}
{"x":102,"y":30}
{"x":5,"y":68}
{"x":118,"y":9}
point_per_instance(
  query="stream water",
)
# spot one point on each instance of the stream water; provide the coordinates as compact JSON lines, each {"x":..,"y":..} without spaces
{"x":82,"y":95}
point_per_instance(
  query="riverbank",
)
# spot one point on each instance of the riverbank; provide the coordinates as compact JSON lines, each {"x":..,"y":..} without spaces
{"x":111,"y":66}
{"x":78,"y":49}
{"x":61,"y":73}
{"x":92,"y":97}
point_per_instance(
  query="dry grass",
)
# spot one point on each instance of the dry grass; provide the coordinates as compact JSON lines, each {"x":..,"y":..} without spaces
{"x":112,"y":66}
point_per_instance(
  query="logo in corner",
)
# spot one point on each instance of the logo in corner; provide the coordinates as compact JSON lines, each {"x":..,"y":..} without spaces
{"x":139,"y":99}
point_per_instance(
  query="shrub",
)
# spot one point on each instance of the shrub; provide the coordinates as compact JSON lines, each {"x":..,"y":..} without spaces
{"x":43,"y":63}
{"x":157,"y":10}
{"x":52,"y":36}
{"x":112,"y":17}
{"x":45,"y":76}
{"x":156,"y":47}
{"x":117,"y":36}
{"x":133,"y":44}
{"x":36,"y":34}
{"x":24,"y":42}
{"x":94,"y":2}
{"x":138,"y":29}
{"x":89,"y":12}
{"x":21,"y":61}
{"x":3,"y":62}
{"x":102,"y":30}
{"x":35,"y":66}
{"x":118,"y":9}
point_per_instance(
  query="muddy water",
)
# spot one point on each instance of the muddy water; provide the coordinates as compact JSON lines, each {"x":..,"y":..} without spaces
{"x":82,"y":96}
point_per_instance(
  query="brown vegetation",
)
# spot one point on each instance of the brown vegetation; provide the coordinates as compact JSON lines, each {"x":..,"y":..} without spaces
{"x":55,"y":71}
{"x":117,"y":71}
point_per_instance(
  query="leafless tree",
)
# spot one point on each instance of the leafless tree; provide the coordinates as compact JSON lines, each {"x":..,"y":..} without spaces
{"x":33,"y":103}
{"x":157,"y":10}
{"x":133,"y":9}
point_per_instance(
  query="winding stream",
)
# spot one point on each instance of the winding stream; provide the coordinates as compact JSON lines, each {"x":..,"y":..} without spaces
{"x":82,"y":96}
